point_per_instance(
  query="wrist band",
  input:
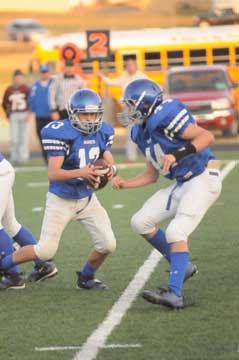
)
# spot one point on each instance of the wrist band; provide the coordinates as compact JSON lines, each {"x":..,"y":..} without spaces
{"x":184,"y":151}
{"x":115,"y":170}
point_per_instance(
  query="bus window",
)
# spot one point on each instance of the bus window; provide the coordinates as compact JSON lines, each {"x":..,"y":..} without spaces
{"x":198,"y":56}
{"x":128,"y":56}
{"x":152,"y":60}
{"x":237,"y":55}
{"x":175,"y":57}
{"x":108,"y":65}
{"x":86,"y":65}
{"x":220,"y":56}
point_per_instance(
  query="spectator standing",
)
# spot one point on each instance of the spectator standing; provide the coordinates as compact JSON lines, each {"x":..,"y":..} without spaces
{"x":39,"y":102}
{"x":131,"y":73}
{"x":62,"y":88}
{"x":16,"y":108}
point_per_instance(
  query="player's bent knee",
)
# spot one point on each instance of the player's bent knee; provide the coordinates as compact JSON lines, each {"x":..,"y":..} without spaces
{"x":45,"y":251}
{"x":135,"y":223}
{"x":140,"y":225}
{"x":175,"y":233}
{"x":106,"y":247}
{"x":111,"y":246}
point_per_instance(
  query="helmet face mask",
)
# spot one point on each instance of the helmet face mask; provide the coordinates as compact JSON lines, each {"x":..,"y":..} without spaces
{"x":140,"y":97}
{"x":83,"y":104}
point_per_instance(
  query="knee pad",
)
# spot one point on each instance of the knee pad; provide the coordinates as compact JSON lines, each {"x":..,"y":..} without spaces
{"x":141,"y":225}
{"x":175,"y":232}
{"x":45,"y":251}
{"x":111,"y":245}
{"x":108,"y":246}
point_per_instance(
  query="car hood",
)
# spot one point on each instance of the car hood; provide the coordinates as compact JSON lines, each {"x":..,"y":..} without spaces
{"x":35,"y":30}
{"x":198,"y":95}
{"x":207,"y":15}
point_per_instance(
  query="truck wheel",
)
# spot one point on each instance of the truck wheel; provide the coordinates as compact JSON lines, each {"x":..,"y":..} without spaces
{"x":231,"y":130}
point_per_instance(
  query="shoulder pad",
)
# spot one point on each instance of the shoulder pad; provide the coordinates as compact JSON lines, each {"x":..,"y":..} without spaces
{"x":107,"y":129}
{"x":61,"y":129}
{"x":160,"y":117}
{"x":134,"y":132}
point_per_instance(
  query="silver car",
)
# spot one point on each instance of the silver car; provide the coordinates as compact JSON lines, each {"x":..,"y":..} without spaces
{"x":24,"y":29}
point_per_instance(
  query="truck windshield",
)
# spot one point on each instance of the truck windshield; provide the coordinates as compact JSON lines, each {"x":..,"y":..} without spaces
{"x":197,"y":80}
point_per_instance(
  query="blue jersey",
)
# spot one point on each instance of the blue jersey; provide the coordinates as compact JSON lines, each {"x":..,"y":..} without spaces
{"x":38,"y":99}
{"x":60,"y":138}
{"x":1,"y":157}
{"x":163,"y":135}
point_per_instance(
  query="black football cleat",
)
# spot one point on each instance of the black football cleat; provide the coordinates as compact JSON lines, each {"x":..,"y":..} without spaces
{"x":89,"y":283}
{"x":12,"y":280}
{"x":43,"y":272}
{"x":165,"y":297}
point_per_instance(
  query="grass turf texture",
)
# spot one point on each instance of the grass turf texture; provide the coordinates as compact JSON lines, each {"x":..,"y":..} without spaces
{"x":55,"y":313}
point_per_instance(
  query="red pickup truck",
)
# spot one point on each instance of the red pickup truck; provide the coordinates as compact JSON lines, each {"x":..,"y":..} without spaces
{"x":208,"y":92}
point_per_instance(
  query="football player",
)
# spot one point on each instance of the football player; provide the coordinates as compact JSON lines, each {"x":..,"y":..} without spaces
{"x":175,"y":147}
{"x":72,"y":146}
{"x":11,"y":230}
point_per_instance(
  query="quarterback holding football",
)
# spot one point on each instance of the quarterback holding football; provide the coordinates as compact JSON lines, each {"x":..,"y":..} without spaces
{"x":175,"y":147}
{"x":73,"y":145}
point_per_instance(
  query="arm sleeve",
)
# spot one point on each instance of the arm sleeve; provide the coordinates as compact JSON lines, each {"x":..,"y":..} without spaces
{"x":28,"y":90}
{"x":188,"y":120}
{"x":81,"y":83}
{"x":31,"y":99}
{"x":108,"y":137}
{"x":175,"y":121}
{"x":109,"y":141}
{"x":52,"y":143}
{"x":5,"y":102}
{"x":134,"y":133}
{"x":112,"y":82}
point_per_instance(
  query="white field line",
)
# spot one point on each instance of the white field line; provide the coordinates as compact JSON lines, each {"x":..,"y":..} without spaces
{"x":26,"y":169}
{"x":37,"y":184}
{"x":45,"y":183}
{"x":228,"y":168}
{"x":232,"y":163}
{"x":109,"y":346}
{"x":99,"y":336}
{"x":120,"y":166}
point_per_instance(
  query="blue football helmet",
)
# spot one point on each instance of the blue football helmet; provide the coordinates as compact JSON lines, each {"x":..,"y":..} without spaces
{"x":141,"y":97}
{"x":85,"y":101}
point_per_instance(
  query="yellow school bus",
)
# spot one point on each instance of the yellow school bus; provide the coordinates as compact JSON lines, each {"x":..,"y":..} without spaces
{"x":155,"y":50}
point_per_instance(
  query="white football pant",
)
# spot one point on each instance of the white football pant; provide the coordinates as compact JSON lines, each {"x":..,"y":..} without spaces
{"x":59,"y":212}
{"x":7,"y":211}
{"x":187,"y":203}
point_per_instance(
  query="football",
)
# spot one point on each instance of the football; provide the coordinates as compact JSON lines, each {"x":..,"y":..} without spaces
{"x":103,"y":180}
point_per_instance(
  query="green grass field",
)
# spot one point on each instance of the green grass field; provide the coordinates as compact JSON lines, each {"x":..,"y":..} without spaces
{"x":54,"y":313}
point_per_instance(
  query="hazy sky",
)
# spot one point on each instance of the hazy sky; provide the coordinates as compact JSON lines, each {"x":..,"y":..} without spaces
{"x":48,"y":5}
